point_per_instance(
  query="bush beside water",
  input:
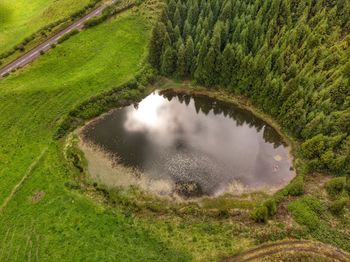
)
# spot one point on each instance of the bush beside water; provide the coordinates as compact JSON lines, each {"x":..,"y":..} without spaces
{"x":260,"y":214}
{"x":271,"y":206}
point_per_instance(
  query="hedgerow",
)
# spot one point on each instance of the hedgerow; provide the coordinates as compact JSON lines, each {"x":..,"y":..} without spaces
{"x":109,"y":11}
{"x":68,"y":35}
{"x":46,"y":30}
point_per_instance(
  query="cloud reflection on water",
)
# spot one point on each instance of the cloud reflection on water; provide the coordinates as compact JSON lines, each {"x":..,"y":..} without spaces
{"x":195,"y":139}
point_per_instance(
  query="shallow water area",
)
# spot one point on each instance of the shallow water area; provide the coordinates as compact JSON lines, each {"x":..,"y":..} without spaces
{"x":186,"y":145}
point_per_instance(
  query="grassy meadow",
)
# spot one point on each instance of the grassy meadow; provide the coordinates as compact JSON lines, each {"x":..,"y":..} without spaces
{"x":33,"y":100}
{"x":31,"y":103}
{"x":21,"y":18}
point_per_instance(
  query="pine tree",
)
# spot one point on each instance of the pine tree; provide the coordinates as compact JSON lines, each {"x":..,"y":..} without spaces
{"x":168,"y":62}
{"x":189,"y":56}
{"x":210,"y":68}
{"x":295,"y":118}
{"x":171,"y":8}
{"x":187,"y":30}
{"x":166,"y":42}
{"x":156,"y":45}
{"x":200,"y":70}
{"x":226,"y":13}
{"x":227,"y":66}
{"x":181,"y":61}
{"x":170,"y":31}
{"x":178,"y":18}
{"x":177,"y":33}
{"x":314,"y":126}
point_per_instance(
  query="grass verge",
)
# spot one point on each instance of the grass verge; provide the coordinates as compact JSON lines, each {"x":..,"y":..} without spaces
{"x":20,"y":18}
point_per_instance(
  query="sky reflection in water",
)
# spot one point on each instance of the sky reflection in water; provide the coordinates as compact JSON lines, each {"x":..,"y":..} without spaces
{"x":197,"y":139}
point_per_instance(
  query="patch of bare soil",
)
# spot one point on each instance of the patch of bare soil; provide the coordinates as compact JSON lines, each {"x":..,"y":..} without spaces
{"x":314,"y":183}
{"x":292,"y":250}
{"x":37,"y":196}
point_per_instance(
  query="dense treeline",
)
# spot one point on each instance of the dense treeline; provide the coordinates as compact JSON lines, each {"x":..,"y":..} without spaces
{"x":290,"y":57}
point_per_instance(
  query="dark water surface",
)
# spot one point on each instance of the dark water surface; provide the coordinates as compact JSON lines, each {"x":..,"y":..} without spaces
{"x":186,"y":139}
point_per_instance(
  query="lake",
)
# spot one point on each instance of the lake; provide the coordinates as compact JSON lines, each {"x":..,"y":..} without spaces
{"x":188,"y":145}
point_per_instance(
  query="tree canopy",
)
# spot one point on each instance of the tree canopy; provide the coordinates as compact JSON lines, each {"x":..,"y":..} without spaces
{"x":290,"y":57}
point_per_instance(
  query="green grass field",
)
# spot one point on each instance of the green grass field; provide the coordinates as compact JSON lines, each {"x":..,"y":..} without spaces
{"x":21,"y":18}
{"x":64,"y":225}
{"x":33,"y":100}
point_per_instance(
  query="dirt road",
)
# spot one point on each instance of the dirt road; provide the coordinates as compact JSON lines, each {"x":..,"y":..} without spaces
{"x":264,"y":252}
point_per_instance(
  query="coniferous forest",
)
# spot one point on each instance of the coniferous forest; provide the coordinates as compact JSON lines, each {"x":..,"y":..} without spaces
{"x":290,"y":57}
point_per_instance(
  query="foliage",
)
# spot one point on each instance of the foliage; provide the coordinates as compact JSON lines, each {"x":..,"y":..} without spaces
{"x":306,"y":211}
{"x":271,"y":206}
{"x":337,"y":206}
{"x":260,"y":214}
{"x":67,"y":222}
{"x":96,"y":20}
{"x":111,"y":10}
{"x":347,"y":185}
{"x":296,"y":187}
{"x":321,"y":154}
{"x":68,"y":35}
{"x":336,"y":186}
{"x":334,"y":237}
{"x":289,"y":52}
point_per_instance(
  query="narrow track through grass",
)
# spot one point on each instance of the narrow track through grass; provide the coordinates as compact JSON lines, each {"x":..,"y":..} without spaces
{"x":29,"y":171}
{"x":292,"y":246}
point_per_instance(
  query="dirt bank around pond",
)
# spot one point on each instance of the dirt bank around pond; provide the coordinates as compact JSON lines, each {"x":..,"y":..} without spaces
{"x":105,"y":169}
